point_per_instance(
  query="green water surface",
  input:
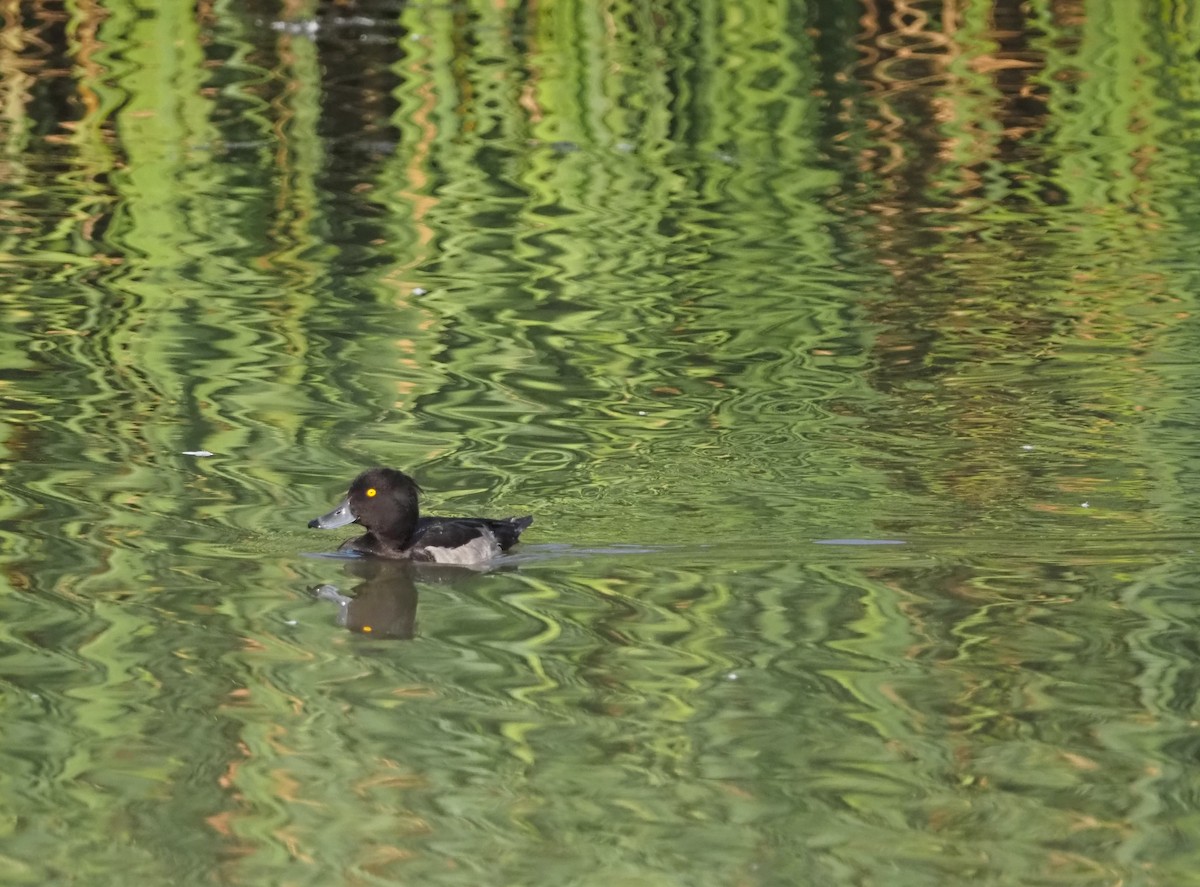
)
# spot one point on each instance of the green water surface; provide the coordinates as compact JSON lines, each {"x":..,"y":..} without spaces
{"x":845,"y":354}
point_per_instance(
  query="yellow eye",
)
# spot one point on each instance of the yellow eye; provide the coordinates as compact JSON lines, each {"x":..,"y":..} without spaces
{"x":371,"y":493}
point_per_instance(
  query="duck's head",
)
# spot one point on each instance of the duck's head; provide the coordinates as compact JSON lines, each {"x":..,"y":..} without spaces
{"x":383,"y":500}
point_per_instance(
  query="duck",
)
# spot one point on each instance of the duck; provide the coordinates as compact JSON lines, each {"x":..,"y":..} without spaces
{"x":385,"y":501}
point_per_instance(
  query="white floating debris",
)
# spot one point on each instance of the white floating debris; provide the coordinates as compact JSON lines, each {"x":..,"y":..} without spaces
{"x":732,"y":676}
{"x":1027,"y":446}
{"x":641,"y":412}
{"x":201,"y":453}
{"x":1083,"y":505}
{"x":419,"y":291}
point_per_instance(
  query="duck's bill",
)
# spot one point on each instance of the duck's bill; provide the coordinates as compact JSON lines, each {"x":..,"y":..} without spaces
{"x":339,"y":517}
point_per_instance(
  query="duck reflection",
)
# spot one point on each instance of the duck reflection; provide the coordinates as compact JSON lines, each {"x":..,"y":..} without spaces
{"x":384,"y":602}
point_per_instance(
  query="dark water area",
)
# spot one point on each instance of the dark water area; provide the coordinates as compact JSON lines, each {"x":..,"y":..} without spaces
{"x":845,"y":355}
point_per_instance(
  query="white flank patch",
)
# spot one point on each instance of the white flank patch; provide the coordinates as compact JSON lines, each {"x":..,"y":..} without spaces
{"x":482,"y":549}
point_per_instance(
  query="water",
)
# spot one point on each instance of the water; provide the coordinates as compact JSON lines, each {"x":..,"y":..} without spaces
{"x":845,"y":360}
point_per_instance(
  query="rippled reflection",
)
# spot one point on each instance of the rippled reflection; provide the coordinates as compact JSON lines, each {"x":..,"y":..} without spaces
{"x":844,"y":354}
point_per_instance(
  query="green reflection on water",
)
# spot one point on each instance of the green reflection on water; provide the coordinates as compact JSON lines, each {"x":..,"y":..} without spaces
{"x":698,"y":286}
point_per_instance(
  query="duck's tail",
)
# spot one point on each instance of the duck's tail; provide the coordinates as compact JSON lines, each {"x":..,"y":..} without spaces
{"x":509,"y":529}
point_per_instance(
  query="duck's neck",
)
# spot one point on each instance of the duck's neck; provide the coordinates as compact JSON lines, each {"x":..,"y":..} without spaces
{"x":400,"y":533}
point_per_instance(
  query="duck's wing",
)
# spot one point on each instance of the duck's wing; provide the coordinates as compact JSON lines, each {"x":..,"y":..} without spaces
{"x":454,"y":533}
